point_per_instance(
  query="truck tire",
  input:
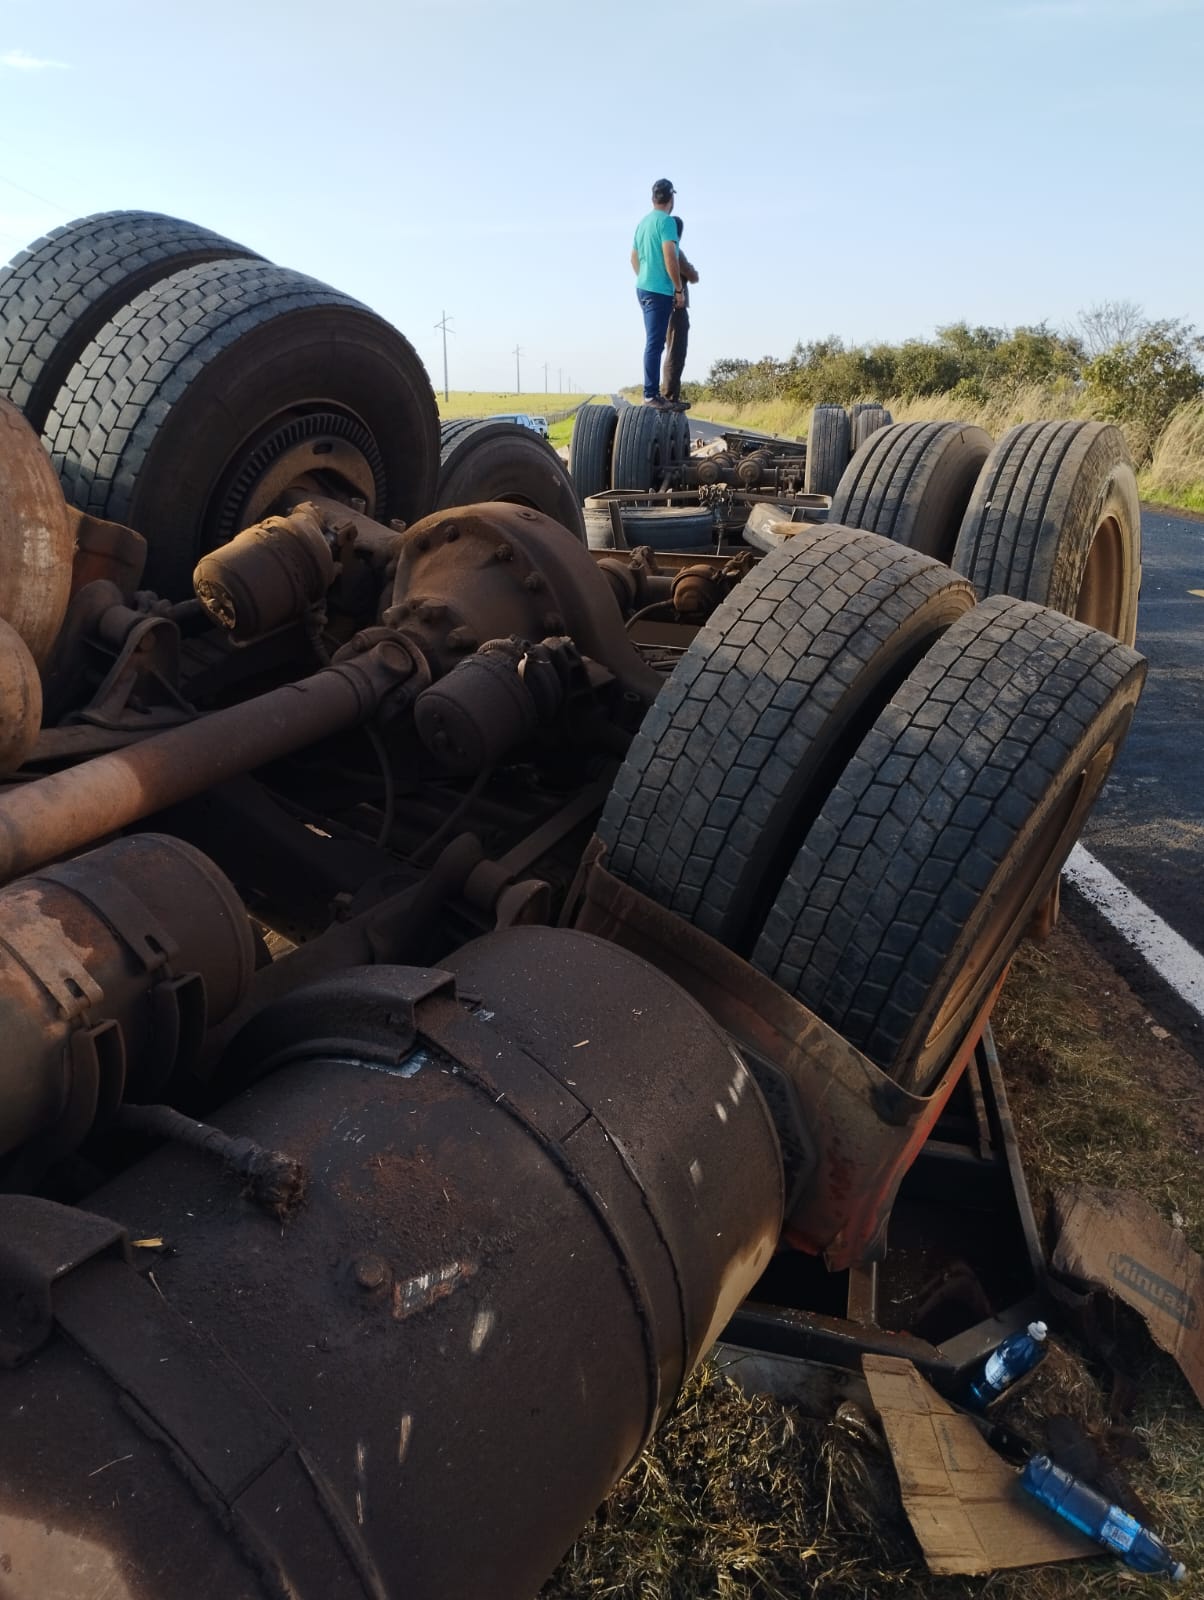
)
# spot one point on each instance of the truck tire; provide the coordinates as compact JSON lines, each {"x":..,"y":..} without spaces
{"x":641,"y":449}
{"x":57,"y":295}
{"x":827,"y":449}
{"x":912,"y":482}
{"x":738,"y":752}
{"x":867,"y":418}
{"x":214,"y":390}
{"x":678,"y":428}
{"x":1055,"y":518}
{"x":590,"y":448}
{"x":662,"y":527}
{"x":507,"y":461}
{"x":951,"y":822}
{"x":450,"y":430}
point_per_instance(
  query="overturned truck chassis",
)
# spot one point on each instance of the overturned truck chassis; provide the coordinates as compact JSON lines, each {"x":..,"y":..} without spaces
{"x":368,"y":1147}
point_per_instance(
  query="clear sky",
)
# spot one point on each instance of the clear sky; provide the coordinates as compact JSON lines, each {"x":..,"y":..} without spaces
{"x":870,"y":168}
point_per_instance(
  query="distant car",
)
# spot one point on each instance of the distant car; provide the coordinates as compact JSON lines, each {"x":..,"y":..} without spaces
{"x":537,"y":425}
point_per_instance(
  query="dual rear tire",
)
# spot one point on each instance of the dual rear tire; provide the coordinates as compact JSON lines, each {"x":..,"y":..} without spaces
{"x":866,"y":784}
{"x":184,"y":396}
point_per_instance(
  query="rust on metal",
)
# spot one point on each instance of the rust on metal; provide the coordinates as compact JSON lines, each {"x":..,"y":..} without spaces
{"x":268,"y":575}
{"x":35,"y":537}
{"x":105,"y":551}
{"x":502,"y":1275}
{"x":274,"y":1180}
{"x":866,"y":1128}
{"x":62,"y":812}
{"x":20,"y":700}
{"x":111,"y":967}
{"x":452,"y":592}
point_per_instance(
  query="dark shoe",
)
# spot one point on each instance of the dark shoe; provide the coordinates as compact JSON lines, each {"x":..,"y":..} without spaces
{"x":659,"y":403}
{"x":677,"y":405}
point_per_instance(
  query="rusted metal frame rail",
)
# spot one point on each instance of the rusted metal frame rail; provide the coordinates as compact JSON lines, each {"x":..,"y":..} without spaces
{"x":867,"y":1146}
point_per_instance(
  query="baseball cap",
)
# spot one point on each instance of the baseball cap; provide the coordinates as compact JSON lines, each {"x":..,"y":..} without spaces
{"x":662,"y":189}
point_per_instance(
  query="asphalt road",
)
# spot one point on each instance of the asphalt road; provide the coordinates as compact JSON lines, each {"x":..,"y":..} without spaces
{"x":715,"y":430}
{"x":1148,"y":825}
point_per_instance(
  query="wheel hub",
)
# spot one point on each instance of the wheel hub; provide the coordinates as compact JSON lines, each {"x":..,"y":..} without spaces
{"x":325,"y":450}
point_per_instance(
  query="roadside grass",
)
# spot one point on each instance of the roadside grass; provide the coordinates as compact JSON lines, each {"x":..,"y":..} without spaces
{"x":479,"y":403}
{"x":747,"y":1498}
{"x":1083,"y":1104}
{"x":1173,"y":476}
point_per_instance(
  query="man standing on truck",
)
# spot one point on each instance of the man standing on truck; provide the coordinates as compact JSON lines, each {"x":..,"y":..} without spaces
{"x":658,"y":287}
{"x":678,"y":338}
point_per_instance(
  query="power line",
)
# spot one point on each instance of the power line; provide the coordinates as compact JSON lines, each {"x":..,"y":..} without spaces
{"x":33,"y":195}
{"x":446,"y":330}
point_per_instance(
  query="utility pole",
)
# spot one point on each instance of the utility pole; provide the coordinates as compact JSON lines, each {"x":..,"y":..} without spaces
{"x":559,"y":380}
{"x":518,"y":383}
{"x":443,"y":325}
{"x":545,"y":377}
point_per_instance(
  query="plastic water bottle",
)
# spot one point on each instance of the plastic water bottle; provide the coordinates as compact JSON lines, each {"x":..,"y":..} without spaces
{"x":1007,"y":1362}
{"x":1088,"y":1511}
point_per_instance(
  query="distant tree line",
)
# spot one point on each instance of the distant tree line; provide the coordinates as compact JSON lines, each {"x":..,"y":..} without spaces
{"x":1127,"y":367}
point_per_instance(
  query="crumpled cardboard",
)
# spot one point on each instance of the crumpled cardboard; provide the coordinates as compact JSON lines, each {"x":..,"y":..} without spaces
{"x":1116,"y":1241}
{"x":963,"y":1501}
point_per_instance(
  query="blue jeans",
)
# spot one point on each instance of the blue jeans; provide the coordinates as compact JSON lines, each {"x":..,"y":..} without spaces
{"x":657,"y":309}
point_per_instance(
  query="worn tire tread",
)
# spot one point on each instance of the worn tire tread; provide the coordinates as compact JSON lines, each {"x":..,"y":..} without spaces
{"x":909,"y":842}
{"x":57,"y":294}
{"x":739,"y":743}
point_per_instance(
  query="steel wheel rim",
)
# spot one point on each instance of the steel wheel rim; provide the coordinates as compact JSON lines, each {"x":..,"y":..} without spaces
{"x":1102,"y":585}
{"x":321,"y":447}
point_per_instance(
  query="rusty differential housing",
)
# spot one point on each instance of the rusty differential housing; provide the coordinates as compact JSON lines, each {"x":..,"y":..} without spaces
{"x":538,"y":1184}
{"x":497,"y":571}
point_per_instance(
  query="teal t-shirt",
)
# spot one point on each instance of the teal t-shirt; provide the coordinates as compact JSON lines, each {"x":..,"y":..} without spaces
{"x":651,"y":234}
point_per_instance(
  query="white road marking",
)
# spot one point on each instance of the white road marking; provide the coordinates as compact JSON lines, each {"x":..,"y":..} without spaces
{"x":1170,"y":955}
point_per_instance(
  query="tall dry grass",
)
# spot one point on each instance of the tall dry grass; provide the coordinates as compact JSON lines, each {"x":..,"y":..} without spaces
{"x":1173,"y":473}
{"x":996,"y":415}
